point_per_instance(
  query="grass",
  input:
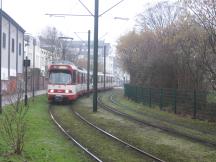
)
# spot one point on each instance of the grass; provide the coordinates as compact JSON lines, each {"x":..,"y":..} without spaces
{"x":163,"y":145}
{"x":201,"y":129}
{"x":99,"y":144}
{"x":44,"y":142}
{"x":211,"y":97}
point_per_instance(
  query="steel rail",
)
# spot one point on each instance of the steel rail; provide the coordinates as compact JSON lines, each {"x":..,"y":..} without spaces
{"x":171,"y":131}
{"x":117,"y":103}
{"x":119,"y":140}
{"x":72,"y":139}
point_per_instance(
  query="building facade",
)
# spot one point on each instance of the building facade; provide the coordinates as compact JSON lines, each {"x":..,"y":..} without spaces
{"x":12,"y":52}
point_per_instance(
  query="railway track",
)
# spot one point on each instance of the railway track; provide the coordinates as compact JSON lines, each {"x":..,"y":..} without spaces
{"x":117,"y":103}
{"x":165,"y":129}
{"x":72,"y":138}
{"x":121,"y":141}
{"x":114,"y":138}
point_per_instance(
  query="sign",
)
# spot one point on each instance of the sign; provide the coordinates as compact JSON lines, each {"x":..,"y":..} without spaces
{"x":26,"y":63}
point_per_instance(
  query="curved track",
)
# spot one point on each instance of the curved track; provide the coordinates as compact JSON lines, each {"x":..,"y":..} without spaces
{"x":119,"y":140}
{"x":71,"y":138}
{"x":171,"y":131}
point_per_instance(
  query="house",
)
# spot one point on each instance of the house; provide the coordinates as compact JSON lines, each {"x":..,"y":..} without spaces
{"x":12,"y":52}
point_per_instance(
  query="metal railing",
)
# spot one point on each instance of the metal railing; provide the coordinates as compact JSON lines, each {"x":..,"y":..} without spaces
{"x":198,"y":104}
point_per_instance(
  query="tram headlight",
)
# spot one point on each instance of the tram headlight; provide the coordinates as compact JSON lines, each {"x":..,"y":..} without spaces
{"x":51,"y":90}
{"x":66,"y":91}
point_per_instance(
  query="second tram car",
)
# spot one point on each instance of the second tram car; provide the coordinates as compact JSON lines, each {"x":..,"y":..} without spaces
{"x":68,"y":82}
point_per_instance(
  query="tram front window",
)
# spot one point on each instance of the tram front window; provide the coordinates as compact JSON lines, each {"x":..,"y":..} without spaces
{"x":60,"y":77}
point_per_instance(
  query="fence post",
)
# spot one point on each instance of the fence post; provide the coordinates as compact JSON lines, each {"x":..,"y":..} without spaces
{"x":142,"y":95}
{"x":175,"y":93}
{"x":136,"y":93}
{"x":195,"y":105}
{"x":161,"y":99}
{"x":150,"y":104}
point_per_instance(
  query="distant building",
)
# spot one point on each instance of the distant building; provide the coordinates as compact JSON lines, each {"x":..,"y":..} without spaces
{"x":80,"y":48}
{"x":12,"y":52}
{"x":42,"y":55}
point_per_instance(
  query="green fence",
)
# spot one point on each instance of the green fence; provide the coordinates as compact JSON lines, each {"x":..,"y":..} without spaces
{"x":198,"y":104}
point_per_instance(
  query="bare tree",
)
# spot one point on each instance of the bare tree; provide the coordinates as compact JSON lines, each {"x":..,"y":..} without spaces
{"x":49,"y":40}
{"x":167,"y":52}
{"x":13,"y":122}
{"x":60,"y":48}
{"x":204,"y":13}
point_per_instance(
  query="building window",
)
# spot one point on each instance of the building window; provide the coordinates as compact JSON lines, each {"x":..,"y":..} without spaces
{"x":4,"y":40}
{"x":13,"y":45}
{"x":20,"y":49}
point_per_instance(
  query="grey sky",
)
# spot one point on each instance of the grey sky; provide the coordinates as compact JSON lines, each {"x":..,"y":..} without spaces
{"x":30,"y":14}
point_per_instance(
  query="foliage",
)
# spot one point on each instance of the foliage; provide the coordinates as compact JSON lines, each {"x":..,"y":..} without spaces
{"x":41,"y":137}
{"x":13,"y":127}
{"x":172,"y":48}
{"x":204,"y":14}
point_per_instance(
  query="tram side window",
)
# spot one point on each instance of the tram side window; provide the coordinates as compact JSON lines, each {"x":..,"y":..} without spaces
{"x":78,"y":77}
{"x":74,"y":76}
{"x":82,"y":78}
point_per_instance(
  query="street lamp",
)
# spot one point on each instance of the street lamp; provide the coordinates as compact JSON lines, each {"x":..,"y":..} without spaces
{"x":63,"y":48}
{"x":121,"y":18}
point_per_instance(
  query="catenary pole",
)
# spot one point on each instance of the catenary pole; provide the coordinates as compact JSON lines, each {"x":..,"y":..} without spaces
{"x":104,"y":66}
{"x":95,"y":56}
{"x":88,"y":64}
{"x":33,"y":71}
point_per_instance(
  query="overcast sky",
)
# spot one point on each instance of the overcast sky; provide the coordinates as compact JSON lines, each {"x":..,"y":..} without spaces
{"x":30,"y":14}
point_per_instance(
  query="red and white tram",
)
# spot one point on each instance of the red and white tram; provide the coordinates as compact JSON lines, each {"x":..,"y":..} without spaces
{"x":68,"y":82}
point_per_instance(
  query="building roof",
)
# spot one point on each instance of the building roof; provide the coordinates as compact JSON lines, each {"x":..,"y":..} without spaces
{"x":12,"y":21}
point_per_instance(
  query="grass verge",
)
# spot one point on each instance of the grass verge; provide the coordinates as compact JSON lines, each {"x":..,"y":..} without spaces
{"x":43,"y":142}
{"x":200,"y":129}
{"x":163,"y":145}
{"x":101,"y":145}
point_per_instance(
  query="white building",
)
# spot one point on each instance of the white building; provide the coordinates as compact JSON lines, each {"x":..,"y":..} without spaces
{"x":32,"y":51}
{"x":38,"y":56}
{"x":12,"y":50}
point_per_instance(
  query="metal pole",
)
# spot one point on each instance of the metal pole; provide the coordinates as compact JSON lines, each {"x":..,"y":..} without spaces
{"x":0,"y":58}
{"x":88,"y":64}
{"x":33,"y":73}
{"x":63,"y":53}
{"x":95,"y":56}
{"x":26,"y":97}
{"x":104,"y":66}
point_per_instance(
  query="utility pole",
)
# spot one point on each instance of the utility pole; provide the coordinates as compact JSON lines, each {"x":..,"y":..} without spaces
{"x":95,"y":56}
{"x":26,"y":63}
{"x":33,"y":71}
{"x":88,"y":64}
{"x":104,"y":66}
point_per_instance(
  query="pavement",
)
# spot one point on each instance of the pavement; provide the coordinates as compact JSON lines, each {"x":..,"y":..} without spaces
{"x":11,"y":98}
